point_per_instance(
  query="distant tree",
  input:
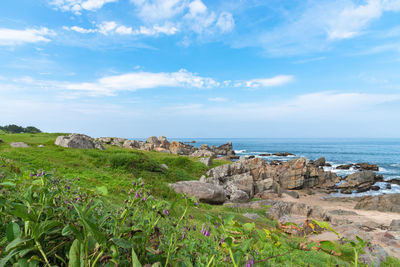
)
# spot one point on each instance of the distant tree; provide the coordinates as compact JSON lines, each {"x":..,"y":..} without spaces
{"x":12,"y":128}
{"x":31,"y":129}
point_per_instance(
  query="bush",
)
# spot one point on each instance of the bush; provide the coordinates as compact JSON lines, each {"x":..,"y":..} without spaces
{"x":12,"y":128}
{"x":133,"y":162}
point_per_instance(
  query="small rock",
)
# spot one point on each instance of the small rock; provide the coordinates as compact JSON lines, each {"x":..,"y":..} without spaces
{"x":204,"y":192}
{"x":291,"y":193}
{"x":164,"y":166}
{"x":344,"y":167}
{"x":207,"y":161}
{"x":252,"y":216}
{"x":40,"y":145}
{"x":18,"y":144}
{"x":265,"y":155}
{"x":394,"y":225}
{"x":374,"y":256}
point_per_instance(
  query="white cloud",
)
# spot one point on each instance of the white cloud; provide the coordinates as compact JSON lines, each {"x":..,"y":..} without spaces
{"x":265,"y":82}
{"x":76,"y":6}
{"x":353,"y":19}
{"x":11,"y":37}
{"x":186,"y":15}
{"x":159,"y":10}
{"x":217,"y":99}
{"x":143,"y":80}
{"x":79,"y":29}
{"x":111,"y":27}
{"x":226,"y":22}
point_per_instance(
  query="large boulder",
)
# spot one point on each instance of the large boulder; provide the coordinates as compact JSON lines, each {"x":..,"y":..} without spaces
{"x":204,"y":192}
{"x":18,"y":144}
{"x":106,"y":140}
{"x":225,"y":149}
{"x":389,"y":202}
{"x":133,"y":144}
{"x":77,"y":141}
{"x":292,"y":174}
{"x":154,"y":141}
{"x":360,"y":181}
{"x":201,"y":153}
{"x":367,"y":166}
{"x":319,"y":162}
{"x":206,"y":161}
{"x":181,"y":148}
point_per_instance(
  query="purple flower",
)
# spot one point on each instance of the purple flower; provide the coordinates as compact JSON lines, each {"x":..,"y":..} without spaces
{"x":166,"y":212}
{"x":221,"y":241}
{"x":191,"y":216}
{"x":144,"y":199}
{"x":31,"y":174}
{"x":197,"y":203}
{"x":142,"y":184}
{"x":249,"y":263}
{"x":78,"y":179}
{"x":137,"y":195}
{"x":183,"y":236}
{"x":43,"y":173}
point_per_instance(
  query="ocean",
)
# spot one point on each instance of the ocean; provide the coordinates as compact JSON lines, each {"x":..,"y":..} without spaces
{"x":383,"y":152}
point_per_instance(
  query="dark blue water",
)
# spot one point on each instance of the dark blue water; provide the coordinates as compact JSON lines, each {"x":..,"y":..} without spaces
{"x":383,"y":152}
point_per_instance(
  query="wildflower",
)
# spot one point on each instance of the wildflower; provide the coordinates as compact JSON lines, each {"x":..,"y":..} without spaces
{"x":144,"y":199}
{"x":249,"y":263}
{"x":183,"y":236}
{"x":221,"y":241}
{"x":142,"y":184}
{"x":78,"y":179}
{"x":31,"y":174}
{"x":43,"y":173}
{"x":137,"y":195}
{"x":191,"y":217}
{"x":341,"y":242}
{"x":197,"y":203}
{"x":166,"y":212}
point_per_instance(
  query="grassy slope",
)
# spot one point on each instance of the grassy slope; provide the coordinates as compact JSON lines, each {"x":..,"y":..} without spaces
{"x":115,"y":168}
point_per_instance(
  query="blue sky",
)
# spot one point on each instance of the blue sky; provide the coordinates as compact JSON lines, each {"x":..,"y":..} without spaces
{"x":197,"y":68}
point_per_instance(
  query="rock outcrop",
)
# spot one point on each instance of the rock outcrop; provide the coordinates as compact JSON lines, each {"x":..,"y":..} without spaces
{"x":204,"y":192}
{"x":359,"y":181}
{"x":207,"y":161}
{"x":385,"y":203}
{"x":257,"y":178}
{"x":18,"y":144}
{"x":78,"y":141}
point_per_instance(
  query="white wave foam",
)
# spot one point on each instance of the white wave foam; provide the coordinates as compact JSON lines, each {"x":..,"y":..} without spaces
{"x":395,"y":165}
{"x":240,"y":151}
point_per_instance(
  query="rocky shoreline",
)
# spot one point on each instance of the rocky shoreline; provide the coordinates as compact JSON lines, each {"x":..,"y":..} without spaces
{"x":295,"y":191}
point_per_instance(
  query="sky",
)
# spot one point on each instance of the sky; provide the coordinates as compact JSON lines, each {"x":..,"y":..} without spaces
{"x":198,"y":68}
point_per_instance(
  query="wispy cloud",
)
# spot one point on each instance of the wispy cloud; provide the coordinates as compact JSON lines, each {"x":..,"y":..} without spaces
{"x":112,"y":28}
{"x":11,"y":37}
{"x":143,"y":80}
{"x":217,"y":99}
{"x":265,"y":82}
{"x":76,"y":6}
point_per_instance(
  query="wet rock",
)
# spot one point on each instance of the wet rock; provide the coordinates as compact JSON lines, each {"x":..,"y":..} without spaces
{"x":360,"y":179}
{"x":283,"y":154}
{"x":204,"y":192}
{"x":319,"y":162}
{"x":389,"y":202}
{"x":344,"y":167}
{"x":18,"y":144}
{"x":265,"y":154}
{"x":393,"y":181}
{"x":367,"y":166}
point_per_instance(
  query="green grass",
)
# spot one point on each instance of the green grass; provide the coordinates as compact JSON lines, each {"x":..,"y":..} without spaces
{"x":116,"y":168}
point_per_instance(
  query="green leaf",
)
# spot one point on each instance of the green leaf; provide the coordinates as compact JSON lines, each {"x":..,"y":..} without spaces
{"x":229,"y":219}
{"x":17,"y":243}
{"x":10,"y":184}
{"x":21,"y":211}
{"x":4,"y":260}
{"x":12,"y":231}
{"x":135,"y":260}
{"x":329,"y":246}
{"x":74,"y":254}
{"x":249,"y":227}
{"x":122,"y":243}
{"x":102,"y":190}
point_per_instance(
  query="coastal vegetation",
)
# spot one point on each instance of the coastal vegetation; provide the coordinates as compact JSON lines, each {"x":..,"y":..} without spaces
{"x":81,"y":207}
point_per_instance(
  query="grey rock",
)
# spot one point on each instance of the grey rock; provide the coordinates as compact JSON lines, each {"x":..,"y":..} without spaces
{"x":206,"y":161}
{"x":202,"y":153}
{"x":18,"y":144}
{"x":293,"y":194}
{"x":359,"y":179}
{"x":132,"y":144}
{"x":263,"y":185}
{"x":40,"y":145}
{"x":374,"y":255}
{"x":389,"y":202}
{"x":153,"y":140}
{"x":204,"y":192}
{"x":76,"y":141}
{"x":164,"y":166}
{"x":252,"y":216}
{"x":239,"y":196}
{"x":162,"y":139}
{"x":394,"y":225}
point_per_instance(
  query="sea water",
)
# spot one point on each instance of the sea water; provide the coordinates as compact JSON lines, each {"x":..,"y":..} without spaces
{"x":383,"y":152}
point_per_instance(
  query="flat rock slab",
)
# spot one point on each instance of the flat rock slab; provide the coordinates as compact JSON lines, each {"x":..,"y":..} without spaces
{"x":204,"y":192}
{"x":18,"y":144}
